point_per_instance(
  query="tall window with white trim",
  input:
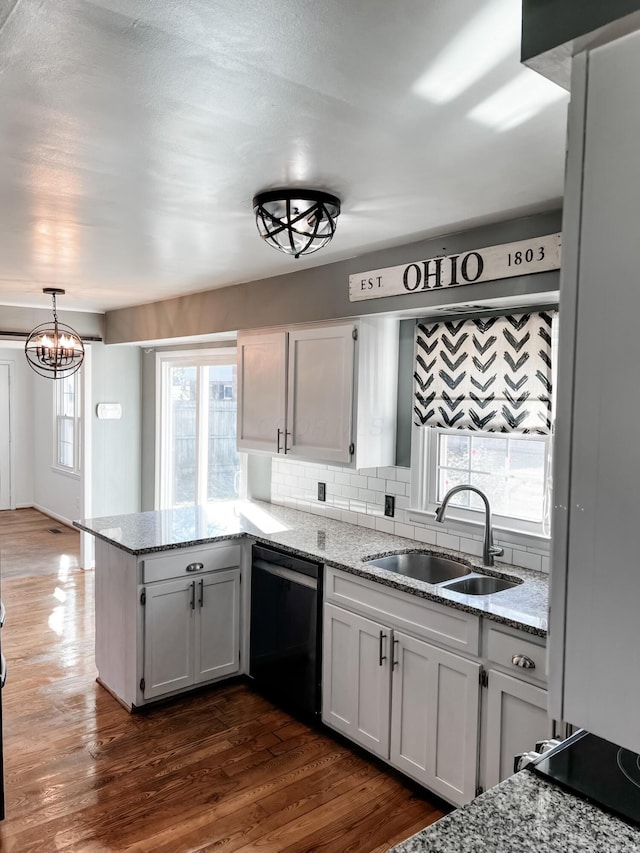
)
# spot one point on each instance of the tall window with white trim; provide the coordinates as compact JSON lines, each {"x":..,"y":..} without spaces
{"x":198,"y":460}
{"x":67,"y":414}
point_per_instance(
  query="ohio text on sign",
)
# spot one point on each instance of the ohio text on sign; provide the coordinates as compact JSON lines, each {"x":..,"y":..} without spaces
{"x":525,"y":257}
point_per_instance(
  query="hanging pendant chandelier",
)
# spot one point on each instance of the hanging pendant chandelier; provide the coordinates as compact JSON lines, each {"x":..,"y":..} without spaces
{"x":54,"y":350}
{"x":297,"y":222}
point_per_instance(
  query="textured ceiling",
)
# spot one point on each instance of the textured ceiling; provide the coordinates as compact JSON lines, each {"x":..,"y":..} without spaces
{"x":134,"y":134}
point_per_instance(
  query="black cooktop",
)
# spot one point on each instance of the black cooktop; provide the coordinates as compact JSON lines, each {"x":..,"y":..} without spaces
{"x":599,"y":771}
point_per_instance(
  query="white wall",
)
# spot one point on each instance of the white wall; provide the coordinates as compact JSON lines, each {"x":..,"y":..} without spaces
{"x":55,"y":492}
{"x":23,"y":482}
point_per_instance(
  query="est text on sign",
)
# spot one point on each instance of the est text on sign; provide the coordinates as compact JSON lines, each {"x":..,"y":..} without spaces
{"x":525,"y":257}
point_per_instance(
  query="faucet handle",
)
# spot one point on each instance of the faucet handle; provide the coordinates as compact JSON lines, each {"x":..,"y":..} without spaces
{"x":496,"y":550}
{"x":438,"y":513}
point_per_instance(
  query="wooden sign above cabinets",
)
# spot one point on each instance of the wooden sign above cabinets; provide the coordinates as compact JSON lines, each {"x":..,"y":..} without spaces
{"x":539,"y":254}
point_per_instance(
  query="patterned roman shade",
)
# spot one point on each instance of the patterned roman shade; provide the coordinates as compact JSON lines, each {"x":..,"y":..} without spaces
{"x":491,"y":374}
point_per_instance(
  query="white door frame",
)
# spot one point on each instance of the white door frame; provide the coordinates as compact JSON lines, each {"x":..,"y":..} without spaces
{"x":11,"y":461}
{"x":87,"y":542}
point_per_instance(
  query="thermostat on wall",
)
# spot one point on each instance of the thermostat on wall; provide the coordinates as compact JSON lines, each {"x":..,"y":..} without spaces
{"x":109,"y":411}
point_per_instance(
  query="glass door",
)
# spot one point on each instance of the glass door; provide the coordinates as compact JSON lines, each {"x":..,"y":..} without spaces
{"x":198,"y":461}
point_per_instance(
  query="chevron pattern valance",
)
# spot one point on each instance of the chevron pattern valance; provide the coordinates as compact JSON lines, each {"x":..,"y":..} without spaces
{"x":491,"y":374}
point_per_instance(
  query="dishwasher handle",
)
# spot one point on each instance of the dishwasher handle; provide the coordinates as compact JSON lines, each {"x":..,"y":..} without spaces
{"x":286,"y":574}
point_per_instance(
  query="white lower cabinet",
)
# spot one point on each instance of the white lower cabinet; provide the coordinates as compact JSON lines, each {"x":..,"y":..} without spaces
{"x":423,"y":720}
{"x":355,"y":685}
{"x":517,"y":717}
{"x":434,"y":713}
{"x":191,"y":631}
{"x":451,"y":721}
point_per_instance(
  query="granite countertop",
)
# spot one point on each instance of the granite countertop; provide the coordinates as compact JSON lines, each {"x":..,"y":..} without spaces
{"x":525,"y":813}
{"x":335,"y":543}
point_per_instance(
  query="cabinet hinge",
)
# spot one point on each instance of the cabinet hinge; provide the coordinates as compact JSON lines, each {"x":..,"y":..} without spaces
{"x":142,"y":684}
{"x":352,"y":449}
{"x":143,"y":597}
{"x":484,"y":678}
{"x":354,"y":334}
{"x":479,"y":790}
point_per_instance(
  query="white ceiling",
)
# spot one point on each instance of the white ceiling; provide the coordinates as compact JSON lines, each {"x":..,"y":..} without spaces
{"x":134,"y":134}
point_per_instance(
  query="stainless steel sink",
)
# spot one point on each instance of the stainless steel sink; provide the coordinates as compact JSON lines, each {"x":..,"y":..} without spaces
{"x":422,"y":566}
{"x":480,"y":585}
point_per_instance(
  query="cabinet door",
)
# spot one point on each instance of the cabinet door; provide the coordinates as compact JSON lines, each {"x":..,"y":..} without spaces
{"x":320,"y":393}
{"x":217,"y":628}
{"x":356,"y":682}
{"x":516,"y":718}
{"x":168,"y":637}
{"x":435,"y":718}
{"x":262,"y":379}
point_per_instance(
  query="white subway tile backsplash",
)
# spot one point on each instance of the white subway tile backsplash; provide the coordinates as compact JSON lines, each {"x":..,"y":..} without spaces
{"x":446,"y":540}
{"x":384,"y":525}
{"x":357,"y":497}
{"x":406,"y":530}
{"x":425,"y":534}
{"x":527,"y":560}
{"x":359,"y":481}
{"x":394,"y":488}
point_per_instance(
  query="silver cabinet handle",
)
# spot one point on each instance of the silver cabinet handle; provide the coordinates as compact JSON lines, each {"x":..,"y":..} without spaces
{"x":279,"y":434}
{"x":195,"y":567}
{"x":3,"y":614}
{"x":286,"y":433}
{"x":3,"y":671}
{"x":394,"y":662}
{"x":193,"y":595}
{"x":201,"y":598}
{"x":523,"y":661}
{"x":381,"y":657}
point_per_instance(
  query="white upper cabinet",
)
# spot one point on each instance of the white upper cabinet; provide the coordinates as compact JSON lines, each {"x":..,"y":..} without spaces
{"x":322,"y":393}
{"x":595,"y":588}
{"x":262,"y":371}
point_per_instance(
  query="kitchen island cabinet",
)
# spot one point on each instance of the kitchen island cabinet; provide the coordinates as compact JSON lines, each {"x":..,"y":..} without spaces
{"x":166,"y":623}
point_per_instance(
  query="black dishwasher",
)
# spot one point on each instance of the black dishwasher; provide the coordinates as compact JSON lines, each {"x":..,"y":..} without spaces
{"x":286,"y":628}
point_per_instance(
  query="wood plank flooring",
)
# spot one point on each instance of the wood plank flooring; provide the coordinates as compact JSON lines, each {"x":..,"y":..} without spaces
{"x":220,"y":770}
{"x":27,"y":547}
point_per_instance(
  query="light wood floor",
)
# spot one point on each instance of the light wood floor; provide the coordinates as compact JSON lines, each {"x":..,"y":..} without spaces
{"x":28,"y":547}
{"x":222,"y":770}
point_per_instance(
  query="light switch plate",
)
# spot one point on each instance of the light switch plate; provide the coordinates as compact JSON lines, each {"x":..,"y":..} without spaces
{"x":322,"y":491}
{"x":389,"y":505}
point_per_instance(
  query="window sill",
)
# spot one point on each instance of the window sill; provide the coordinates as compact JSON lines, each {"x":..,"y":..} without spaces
{"x":74,"y":475}
{"x":502,"y":534}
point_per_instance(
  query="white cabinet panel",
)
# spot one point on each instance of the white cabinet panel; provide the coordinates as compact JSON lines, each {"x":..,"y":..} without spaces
{"x":319,"y":394}
{"x":168,"y":637}
{"x":262,"y":365}
{"x":516,"y":718}
{"x":356,"y":678}
{"x":434,"y":733}
{"x":217,"y":632}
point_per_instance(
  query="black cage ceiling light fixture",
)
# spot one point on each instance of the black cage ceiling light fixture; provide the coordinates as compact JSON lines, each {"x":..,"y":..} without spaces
{"x":53,"y":349}
{"x":296,"y":221}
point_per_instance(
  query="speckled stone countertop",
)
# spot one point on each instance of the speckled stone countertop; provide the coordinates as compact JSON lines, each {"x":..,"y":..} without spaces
{"x":335,"y":543}
{"x":525,"y":813}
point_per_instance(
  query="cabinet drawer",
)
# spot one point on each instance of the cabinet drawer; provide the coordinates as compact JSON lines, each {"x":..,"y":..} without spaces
{"x":502,"y":647}
{"x":404,"y":611}
{"x":176,"y":563}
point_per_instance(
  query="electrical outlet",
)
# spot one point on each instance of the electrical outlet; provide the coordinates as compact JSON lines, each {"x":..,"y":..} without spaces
{"x":322,"y":491}
{"x":389,"y":505}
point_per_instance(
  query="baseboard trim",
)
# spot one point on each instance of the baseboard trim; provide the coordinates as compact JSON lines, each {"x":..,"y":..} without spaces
{"x":45,"y":511}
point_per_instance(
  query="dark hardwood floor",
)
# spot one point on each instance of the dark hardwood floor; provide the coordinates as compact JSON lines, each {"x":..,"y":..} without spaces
{"x":220,"y":770}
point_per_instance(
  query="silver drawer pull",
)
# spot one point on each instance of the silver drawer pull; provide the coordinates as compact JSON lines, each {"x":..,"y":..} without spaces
{"x":3,"y":671}
{"x":523,"y":661}
{"x":195,"y":567}
{"x":3,"y":614}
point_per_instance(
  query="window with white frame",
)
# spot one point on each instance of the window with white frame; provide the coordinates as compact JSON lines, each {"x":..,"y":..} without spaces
{"x":198,"y":461}
{"x":513,"y":469}
{"x":67,"y":431}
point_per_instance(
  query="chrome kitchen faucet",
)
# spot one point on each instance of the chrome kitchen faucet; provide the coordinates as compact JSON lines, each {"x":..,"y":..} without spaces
{"x":489,"y":550}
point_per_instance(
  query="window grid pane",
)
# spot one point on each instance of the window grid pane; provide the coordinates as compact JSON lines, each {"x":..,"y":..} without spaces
{"x":511,"y":471}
